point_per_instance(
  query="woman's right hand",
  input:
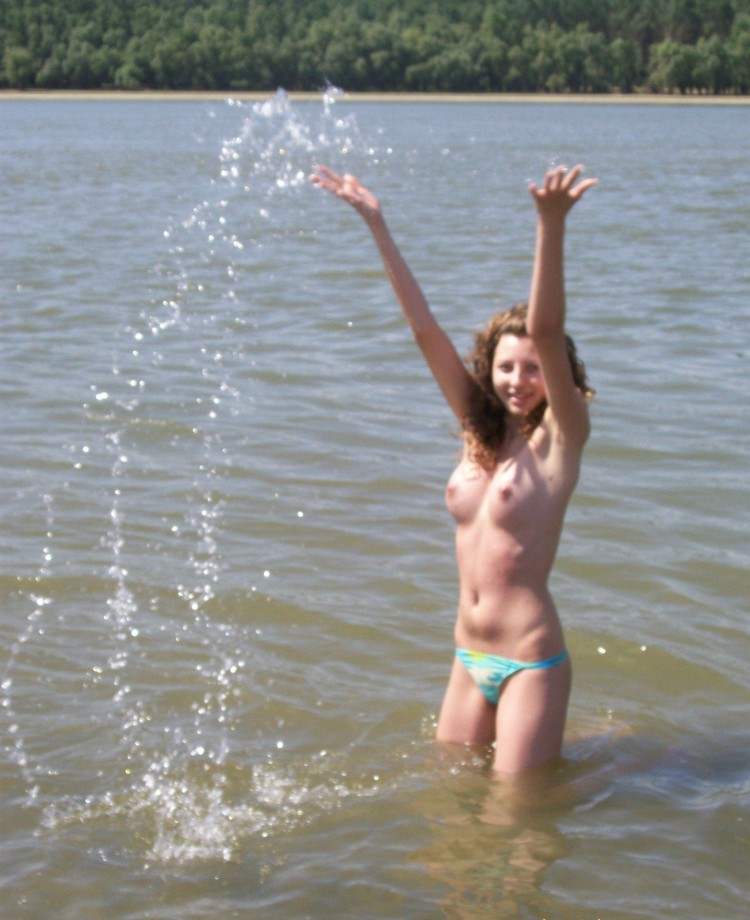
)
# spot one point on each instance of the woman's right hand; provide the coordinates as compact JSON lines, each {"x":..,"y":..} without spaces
{"x":444,"y":361}
{"x":349,"y":189}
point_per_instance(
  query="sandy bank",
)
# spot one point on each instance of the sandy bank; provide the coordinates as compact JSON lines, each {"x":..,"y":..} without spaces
{"x":466,"y":98}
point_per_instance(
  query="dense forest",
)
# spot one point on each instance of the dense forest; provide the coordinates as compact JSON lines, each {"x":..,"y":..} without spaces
{"x":578,"y":46}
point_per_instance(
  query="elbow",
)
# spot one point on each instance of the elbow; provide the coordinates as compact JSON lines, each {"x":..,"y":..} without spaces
{"x":424,"y":331}
{"x":545,"y":324}
{"x":545,"y":316}
{"x":541,"y":331}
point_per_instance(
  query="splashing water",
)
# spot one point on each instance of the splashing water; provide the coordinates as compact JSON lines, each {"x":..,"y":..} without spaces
{"x":179,"y":384}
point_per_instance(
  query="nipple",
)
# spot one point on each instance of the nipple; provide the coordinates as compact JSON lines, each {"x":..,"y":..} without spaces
{"x":506,"y":493}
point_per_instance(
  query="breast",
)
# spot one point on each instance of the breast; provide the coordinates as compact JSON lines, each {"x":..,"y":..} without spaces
{"x":466,"y":490}
{"x":507,"y":494}
{"x":512,"y":496}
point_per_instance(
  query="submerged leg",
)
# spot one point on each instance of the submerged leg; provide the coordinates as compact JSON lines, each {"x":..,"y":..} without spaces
{"x":531,"y":716}
{"x":466,"y":716}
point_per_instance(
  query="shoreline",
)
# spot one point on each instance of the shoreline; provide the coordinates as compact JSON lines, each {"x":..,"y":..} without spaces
{"x":464,"y":98}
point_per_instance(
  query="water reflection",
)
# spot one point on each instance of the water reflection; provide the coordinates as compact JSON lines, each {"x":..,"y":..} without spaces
{"x":495,"y":839}
{"x":492,"y":843}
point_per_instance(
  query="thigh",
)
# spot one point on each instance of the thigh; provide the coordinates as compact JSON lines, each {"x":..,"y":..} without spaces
{"x":531,"y":716}
{"x":466,"y":716}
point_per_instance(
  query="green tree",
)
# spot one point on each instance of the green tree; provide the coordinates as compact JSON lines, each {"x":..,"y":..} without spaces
{"x":19,"y":67}
{"x":712,"y":70}
{"x":623,"y":65}
{"x":544,"y":49}
{"x":517,"y":45}
{"x":738,"y":52}
{"x":173,"y":62}
{"x":518,"y":77}
{"x":492,"y":63}
{"x":671,"y":67}
{"x":584,"y":61}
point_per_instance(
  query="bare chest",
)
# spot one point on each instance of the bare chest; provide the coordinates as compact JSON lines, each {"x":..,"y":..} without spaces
{"x":515,"y":490}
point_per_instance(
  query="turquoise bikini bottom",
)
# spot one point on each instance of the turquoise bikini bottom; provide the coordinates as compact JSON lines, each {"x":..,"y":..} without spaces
{"x":489,"y":671}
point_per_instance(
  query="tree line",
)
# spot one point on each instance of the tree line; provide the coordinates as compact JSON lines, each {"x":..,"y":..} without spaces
{"x":578,"y":46}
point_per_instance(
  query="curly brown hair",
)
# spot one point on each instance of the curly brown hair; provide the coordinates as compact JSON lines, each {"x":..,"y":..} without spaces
{"x":486,"y":423}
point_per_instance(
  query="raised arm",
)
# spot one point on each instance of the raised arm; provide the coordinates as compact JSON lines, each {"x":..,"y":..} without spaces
{"x":446,"y":365}
{"x":546,"y":315}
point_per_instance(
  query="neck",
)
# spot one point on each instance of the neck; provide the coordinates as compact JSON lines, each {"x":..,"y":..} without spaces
{"x":513,"y":429}
{"x":512,"y":442}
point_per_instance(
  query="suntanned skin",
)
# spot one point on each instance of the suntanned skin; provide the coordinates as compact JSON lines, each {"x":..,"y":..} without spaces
{"x":508,"y":519}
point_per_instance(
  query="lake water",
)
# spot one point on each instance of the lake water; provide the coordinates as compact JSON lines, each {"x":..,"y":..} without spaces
{"x":228,"y":586}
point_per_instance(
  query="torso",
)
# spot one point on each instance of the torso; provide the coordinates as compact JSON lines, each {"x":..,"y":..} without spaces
{"x":509,"y":521}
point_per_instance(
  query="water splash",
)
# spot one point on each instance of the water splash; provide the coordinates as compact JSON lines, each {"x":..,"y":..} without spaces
{"x":195,"y":810}
{"x":167,"y":421}
{"x":121,"y":604}
{"x":284,"y":143}
{"x":41,"y":602}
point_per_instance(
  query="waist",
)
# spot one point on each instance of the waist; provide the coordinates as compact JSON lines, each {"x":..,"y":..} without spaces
{"x":522,"y":625}
{"x":485,"y":658}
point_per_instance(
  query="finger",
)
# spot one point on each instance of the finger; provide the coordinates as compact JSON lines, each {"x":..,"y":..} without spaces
{"x":557,"y":178}
{"x":569,"y":179}
{"x":329,"y":175}
{"x":583,"y":187}
{"x":322,"y":182}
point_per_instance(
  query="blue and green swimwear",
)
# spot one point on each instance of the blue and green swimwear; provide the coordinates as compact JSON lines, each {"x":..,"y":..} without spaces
{"x":489,"y":671}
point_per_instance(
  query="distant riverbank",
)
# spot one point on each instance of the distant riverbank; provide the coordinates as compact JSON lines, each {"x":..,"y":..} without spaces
{"x":504,"y":98}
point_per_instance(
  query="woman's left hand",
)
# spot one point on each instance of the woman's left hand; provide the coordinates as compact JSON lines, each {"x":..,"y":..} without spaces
{"x":559,"y":191}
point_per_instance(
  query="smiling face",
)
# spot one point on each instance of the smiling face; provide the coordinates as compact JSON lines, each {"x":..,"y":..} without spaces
{"x":517,"y":375}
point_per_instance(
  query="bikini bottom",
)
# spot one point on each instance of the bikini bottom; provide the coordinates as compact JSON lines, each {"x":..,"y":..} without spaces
{"x":489,"y":671}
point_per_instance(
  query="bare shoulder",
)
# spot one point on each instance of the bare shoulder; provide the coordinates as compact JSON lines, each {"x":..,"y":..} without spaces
{"x":556,"y":448}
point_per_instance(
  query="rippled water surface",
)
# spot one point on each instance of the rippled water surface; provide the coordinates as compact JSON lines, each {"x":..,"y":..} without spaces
{"x":227,"y":576}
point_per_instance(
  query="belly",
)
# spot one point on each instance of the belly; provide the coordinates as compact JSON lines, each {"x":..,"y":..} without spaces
{"x":519,"y":623}
{"x":503,"y":595}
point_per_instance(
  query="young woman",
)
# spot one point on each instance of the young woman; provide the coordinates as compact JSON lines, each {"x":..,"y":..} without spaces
{"x":523,"y":411}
